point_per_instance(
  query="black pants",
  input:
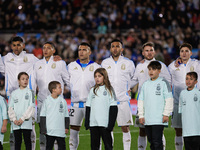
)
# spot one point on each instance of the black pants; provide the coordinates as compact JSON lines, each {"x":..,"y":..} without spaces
{"x":96,"y":133}
{"x":154,"y":135}
{"x":18,"y":138}
{"x":50,"y":142}
{"x":192,"y":143}
{"x":1,"y":146}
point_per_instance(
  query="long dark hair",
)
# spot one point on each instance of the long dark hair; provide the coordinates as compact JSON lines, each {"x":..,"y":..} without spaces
{"x":106,"y":81}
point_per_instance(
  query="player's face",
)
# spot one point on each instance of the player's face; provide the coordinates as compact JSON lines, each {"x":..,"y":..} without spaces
{"x":23,"y":81}
{"x":185,"y":53}
{"x":58,"y":89}
{"x":48,"y":50}
{"x":148,"y":52}
{"x":116,"y":49}
{"x":154,"y":73}
{"x":84,"y":53}
{"x":17,"y":47}
{"x":190,"y":81}
{"x":98,"y":78}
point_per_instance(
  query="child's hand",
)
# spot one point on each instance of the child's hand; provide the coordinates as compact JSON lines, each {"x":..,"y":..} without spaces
{"x":20,"y":122}
{"x":142,"y":121}
{"x":66,"y":131}
{"x":3,"y":129}
{"x":165,"y":119}
{"x":16,"y":122}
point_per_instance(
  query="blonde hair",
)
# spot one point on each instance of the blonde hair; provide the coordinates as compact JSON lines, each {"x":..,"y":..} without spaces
{"x":106,"y":81}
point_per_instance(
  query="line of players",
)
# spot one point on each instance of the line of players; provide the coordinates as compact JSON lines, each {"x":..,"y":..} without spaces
{"x":78,"y":75}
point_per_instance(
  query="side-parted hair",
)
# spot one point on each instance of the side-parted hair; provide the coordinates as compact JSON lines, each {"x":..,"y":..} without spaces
{"x":147,"y":44}
{"x":52,"y":85}
{"x":192,"y":74}
{"x":51,"y":43}
{"x":154,"y":65}
{"x":186,"y":45}
{"x":116,"y":40}
{"x":17,"y":38}
{"x":22,"y":73}
{"x":86,"y":44}
{"x":106,"y":81}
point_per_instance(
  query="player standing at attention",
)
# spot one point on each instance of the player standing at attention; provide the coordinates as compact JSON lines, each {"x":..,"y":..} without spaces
{"x":101,"y":111}
{"x":47,"y":70}
{"x":120,"y":72}
{"x":140,"y":76}
{"x":178,"y":84}
{"x":14,"y":63}
{"x":189,"y":106}
{"x":81,"y":74}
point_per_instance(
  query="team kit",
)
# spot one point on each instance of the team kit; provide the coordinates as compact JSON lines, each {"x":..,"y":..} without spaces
{"x":100,"y":93}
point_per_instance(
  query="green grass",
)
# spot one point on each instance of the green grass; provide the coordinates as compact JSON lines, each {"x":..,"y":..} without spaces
{"x":84,"y":143}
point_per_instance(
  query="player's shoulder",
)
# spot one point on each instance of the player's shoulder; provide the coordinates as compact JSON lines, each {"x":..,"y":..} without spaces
{"x":171,"y":65}
{"x":95,"y":64}
{"x":106,"y":60}
{"x":73,"y":63}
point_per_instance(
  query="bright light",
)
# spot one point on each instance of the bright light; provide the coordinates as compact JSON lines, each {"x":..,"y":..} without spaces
{"x":20,"y":7}
{"x":160,"y":15}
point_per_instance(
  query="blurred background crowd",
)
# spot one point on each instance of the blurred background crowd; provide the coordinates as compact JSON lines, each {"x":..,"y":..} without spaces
{"x":67,"y":23}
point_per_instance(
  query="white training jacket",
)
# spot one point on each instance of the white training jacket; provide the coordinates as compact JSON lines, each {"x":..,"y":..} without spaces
{"x":120,"y":74}
{"x":141,"y":73}
{"x":179,"y":75}
{"x":14,"y":65}
{"x":81,"y":81}
{"x":45,"y":72}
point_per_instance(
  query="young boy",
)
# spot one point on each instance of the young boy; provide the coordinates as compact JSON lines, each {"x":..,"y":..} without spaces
{"x":3,"y":120}
{"x":54,"y":117}
{"x":21,"y":108}
{"x":189,"y":106}
{"x":155,"y":104}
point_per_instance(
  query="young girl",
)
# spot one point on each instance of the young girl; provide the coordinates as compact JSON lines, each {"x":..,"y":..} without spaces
{"x":101,"y":110}
{"x":20,"y":110}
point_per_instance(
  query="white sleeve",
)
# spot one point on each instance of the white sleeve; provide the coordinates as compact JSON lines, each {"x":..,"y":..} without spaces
{"x":165,"y":73}
{"x":11,"y":114}
{"x":28,"y":113}
{"x":2,"y":66}
{"x":65,"y":74}
{"x":168,"y":106}
{"x":141,"y":109}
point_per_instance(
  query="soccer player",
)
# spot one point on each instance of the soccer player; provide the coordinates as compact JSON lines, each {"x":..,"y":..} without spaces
{"x":14,"y":63}
{"x":178,"y":84}
{"x":81,"y":74}
{"x":189,"y":106}
{"x":120,"y":71}
{"x":47,"y":70}
{"x":140,"y":76}
{"x":155,"y":103}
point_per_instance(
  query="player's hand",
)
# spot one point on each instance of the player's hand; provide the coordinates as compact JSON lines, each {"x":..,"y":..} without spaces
{"x":178,"y":62}
{"x":142,"y":61}
{"x":3,"y":129}
{"x":142,"y":121}
{"x":165,"y":119}
{"x":16,"y":122}
{"x":129,"y":92}
{"x":66,"y":131}
{"x":20,"y":122}
{"x":57,"y":58}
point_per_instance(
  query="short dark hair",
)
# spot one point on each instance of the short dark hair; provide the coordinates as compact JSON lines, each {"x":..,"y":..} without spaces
{"x":17,"y":38}
{"x":22,"y":73}
{"x":193,"y":74}
{"x":186,"y":45}
{"x":86,"y":44}
{"x":53,"y":85}
{"x":116,"y":40}
{"x":147,"y":44}
{"x":51,"y":43}
{"x":154,"y":65}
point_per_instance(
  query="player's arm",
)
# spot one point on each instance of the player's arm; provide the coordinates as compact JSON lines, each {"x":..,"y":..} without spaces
{"x":180,"y":104}
{"x":5,"y":116}
{"x":141,"y":105}
{"x":65,"y":74}
{"x":66,"y":118}
{"x":166,"y":74}
{"x":2,"y":66}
